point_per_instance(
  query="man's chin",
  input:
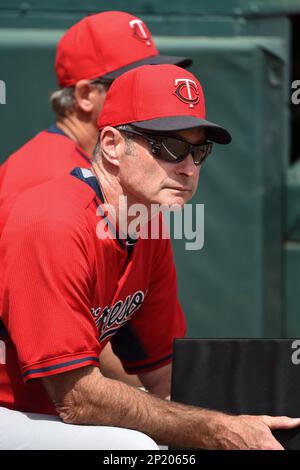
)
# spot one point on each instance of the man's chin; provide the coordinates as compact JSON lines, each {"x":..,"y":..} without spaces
{"x":172,"y":198}
{"x":176,"y":203}
{"x":178,"y":197}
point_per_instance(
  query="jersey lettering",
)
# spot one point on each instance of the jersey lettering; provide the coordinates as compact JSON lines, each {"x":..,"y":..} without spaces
{"x":111,"y":319}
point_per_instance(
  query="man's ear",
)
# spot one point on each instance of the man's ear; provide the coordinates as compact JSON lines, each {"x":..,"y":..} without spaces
{"x":87,"y":95}
{"x":111,"y":143}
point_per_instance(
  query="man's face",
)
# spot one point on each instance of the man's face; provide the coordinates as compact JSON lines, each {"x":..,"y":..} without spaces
{"x":148,"y":180}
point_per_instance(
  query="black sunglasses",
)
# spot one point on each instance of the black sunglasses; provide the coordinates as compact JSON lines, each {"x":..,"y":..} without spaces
{"x":172,"y":149}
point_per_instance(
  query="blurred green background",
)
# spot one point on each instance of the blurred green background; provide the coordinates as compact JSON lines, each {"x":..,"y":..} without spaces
{"x":245,"y":281}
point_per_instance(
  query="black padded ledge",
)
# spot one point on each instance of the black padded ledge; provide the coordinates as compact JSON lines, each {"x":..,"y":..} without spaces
{"x":240,"y":376}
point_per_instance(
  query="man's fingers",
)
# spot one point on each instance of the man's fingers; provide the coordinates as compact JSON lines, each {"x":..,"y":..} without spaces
{"x":281,"y":422}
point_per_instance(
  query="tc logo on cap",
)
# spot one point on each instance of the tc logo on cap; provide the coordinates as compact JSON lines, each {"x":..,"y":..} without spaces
{"x":190,"y":90}
{"x":140,"y":31}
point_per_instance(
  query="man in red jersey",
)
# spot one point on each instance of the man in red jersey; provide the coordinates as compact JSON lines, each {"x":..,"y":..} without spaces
{"x":90,"y":55}
{"x":70,"y":286}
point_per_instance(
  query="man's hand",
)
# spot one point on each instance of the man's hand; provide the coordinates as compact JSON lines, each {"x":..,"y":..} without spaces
{"x":247,"y":432}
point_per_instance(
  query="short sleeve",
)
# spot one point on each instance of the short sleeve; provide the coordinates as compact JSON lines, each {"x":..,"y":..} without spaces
{"x":47,"y":271}
{"x":145,"y":343}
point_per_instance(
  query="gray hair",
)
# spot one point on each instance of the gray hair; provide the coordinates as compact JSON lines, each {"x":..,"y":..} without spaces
{"x":63,"y":100}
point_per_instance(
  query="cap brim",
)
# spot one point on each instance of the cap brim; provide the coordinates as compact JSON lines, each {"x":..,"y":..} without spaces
{"x":154,"y":60}
{"x":213,"y":132}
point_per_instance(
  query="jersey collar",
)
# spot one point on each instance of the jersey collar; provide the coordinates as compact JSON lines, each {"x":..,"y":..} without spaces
{"x":85,"y":175}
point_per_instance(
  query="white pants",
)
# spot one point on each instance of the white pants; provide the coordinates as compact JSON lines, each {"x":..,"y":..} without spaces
{"x":31,"y":431}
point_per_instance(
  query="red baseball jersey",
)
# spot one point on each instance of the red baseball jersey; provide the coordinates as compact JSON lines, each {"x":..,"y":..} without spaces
{"x":66,"y":292}
{"x":49,"y":154}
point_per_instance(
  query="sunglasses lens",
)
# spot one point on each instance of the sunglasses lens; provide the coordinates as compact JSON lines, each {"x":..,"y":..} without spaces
{"x":174,"y":149}
{"x":201,"y":152}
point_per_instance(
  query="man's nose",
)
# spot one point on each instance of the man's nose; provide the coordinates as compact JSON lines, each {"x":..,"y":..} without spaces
{"x":187,"y":166}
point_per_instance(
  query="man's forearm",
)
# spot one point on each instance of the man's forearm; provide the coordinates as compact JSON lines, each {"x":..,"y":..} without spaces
{"x":166,"y":422}
{"x":96,"y":400}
